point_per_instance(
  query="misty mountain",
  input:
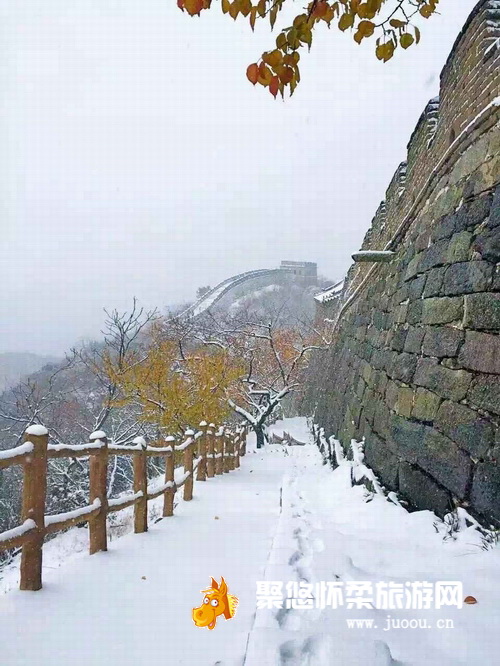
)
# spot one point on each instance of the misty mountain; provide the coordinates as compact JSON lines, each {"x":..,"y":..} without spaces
{"x":15,"y":365}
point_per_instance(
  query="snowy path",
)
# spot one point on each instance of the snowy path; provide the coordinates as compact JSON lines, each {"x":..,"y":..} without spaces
{"x":100,"y":611}
{"x":132,"y":605}
{"x":328,"y":531}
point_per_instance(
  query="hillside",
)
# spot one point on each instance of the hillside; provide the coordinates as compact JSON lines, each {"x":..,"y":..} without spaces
{"x":15,"y":365}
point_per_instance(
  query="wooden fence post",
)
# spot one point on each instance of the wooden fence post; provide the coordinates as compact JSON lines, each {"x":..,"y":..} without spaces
{"x":33,"y":508}
{"x":219,"y":446}
{"x":210,"y":451}
{"x":227,"y":450}
{"x":244,"y":434}
{"x":141,"y":485}
{"x":202,"y":453}
{"x":222,"y":449}
{"x":98,"y":481}
{"x":188,"y":466}
{"x":237,"y":446}
{"x":232,"y":436}
{"x":168,"y":498}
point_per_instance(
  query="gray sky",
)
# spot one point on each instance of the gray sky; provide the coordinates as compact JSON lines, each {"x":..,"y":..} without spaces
{"x":138,"y":160}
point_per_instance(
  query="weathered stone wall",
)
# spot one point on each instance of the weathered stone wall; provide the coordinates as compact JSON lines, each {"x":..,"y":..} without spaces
{"x":415,"y":363}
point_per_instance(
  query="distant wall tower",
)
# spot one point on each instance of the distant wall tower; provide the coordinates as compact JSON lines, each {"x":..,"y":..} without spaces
{"x":305,"y":271}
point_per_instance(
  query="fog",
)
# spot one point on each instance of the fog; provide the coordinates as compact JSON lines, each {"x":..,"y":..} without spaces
{"x":137,"y":160}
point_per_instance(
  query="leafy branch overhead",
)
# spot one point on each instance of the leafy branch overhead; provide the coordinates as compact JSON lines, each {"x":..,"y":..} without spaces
{"x":389,"y":22}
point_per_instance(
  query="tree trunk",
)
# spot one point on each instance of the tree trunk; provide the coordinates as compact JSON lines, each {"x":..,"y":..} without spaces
{"x":261,"y":440}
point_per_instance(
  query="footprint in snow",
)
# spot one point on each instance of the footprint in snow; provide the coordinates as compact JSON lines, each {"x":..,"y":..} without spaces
{"x":288,"y":619}
{"x":383,"y":656}
{"x":289,"y":653}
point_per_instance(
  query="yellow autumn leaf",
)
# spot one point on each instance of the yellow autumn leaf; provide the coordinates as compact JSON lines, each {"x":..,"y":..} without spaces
{"x":366,"y":28}
{"x":346,"y":21}
{"x":406,"y":40}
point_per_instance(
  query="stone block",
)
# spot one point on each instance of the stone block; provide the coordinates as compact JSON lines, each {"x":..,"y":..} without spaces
{"x":482,"y":311}
{"x":434,"y":283}
{"x":422,"y":491}
{"x":441,"y":341}
{"x":355,"y":409}
{"x":467,"y":277}
{"x":391,"y":395}
{"x":381,"y":382}
{"x":403,"y":367}
{"x":398,"y":340}
{"x":485,"y":393}
{"x":466,"y":427}
{"x":405,"y":436}
{"x":485,"y":494}
{"x":404,"y":402}
{"x":382,"y":421}
{"x":495,"y":285}
{"x":366,"y":372}
{"x":382,"y":460}
{"x":416,"y":287}
{"x":401,"y":294}
{"x":435,"y":255}
{"x":369,"y":406}
{"x":473,"y":185}
{"x":472,"y":214}
{"x":414,"y":313}
{"x":414,"y":267}
{"x":360,"y":333}
{"x":366,"y":351}
{"x":494,"y":219}
{"x":360,"y":388}
{"x":422,"y":239}
{"x":444,"y":227}
{"x":381,"y":359}
{"x":459,"y":247}
{"x":440,"y":457}
{"x":481,"y":352}
{"x":425,"y":406}
{"x":399,"y":314}
{"x":379,"y":319}
{"x":488,"y":245}
{"x":442,"y":310}
{"x":448,"y":200}
{"x":414,"y":339}
{"x":449,"y":384}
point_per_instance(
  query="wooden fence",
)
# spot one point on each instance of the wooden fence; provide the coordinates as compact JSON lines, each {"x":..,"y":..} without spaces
{"x":208,"y":452}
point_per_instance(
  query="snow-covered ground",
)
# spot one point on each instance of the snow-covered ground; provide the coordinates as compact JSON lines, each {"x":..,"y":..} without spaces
{"x":132,"y":605}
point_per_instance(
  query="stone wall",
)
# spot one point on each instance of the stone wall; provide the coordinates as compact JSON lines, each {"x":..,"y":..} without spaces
{"x":414,"y":367}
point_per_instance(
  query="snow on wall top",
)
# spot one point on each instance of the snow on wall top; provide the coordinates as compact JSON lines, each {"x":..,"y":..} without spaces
{"x":493,"y":6}
{"x":209,"y":299}
{"x":330,"y":293}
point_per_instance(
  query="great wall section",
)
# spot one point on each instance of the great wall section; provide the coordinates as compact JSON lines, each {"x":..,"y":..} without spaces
{"x":304,"y":272}
{"x":414,"y":366}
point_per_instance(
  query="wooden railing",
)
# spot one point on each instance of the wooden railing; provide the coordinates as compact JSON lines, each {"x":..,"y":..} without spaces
{"x":210,"y":451}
